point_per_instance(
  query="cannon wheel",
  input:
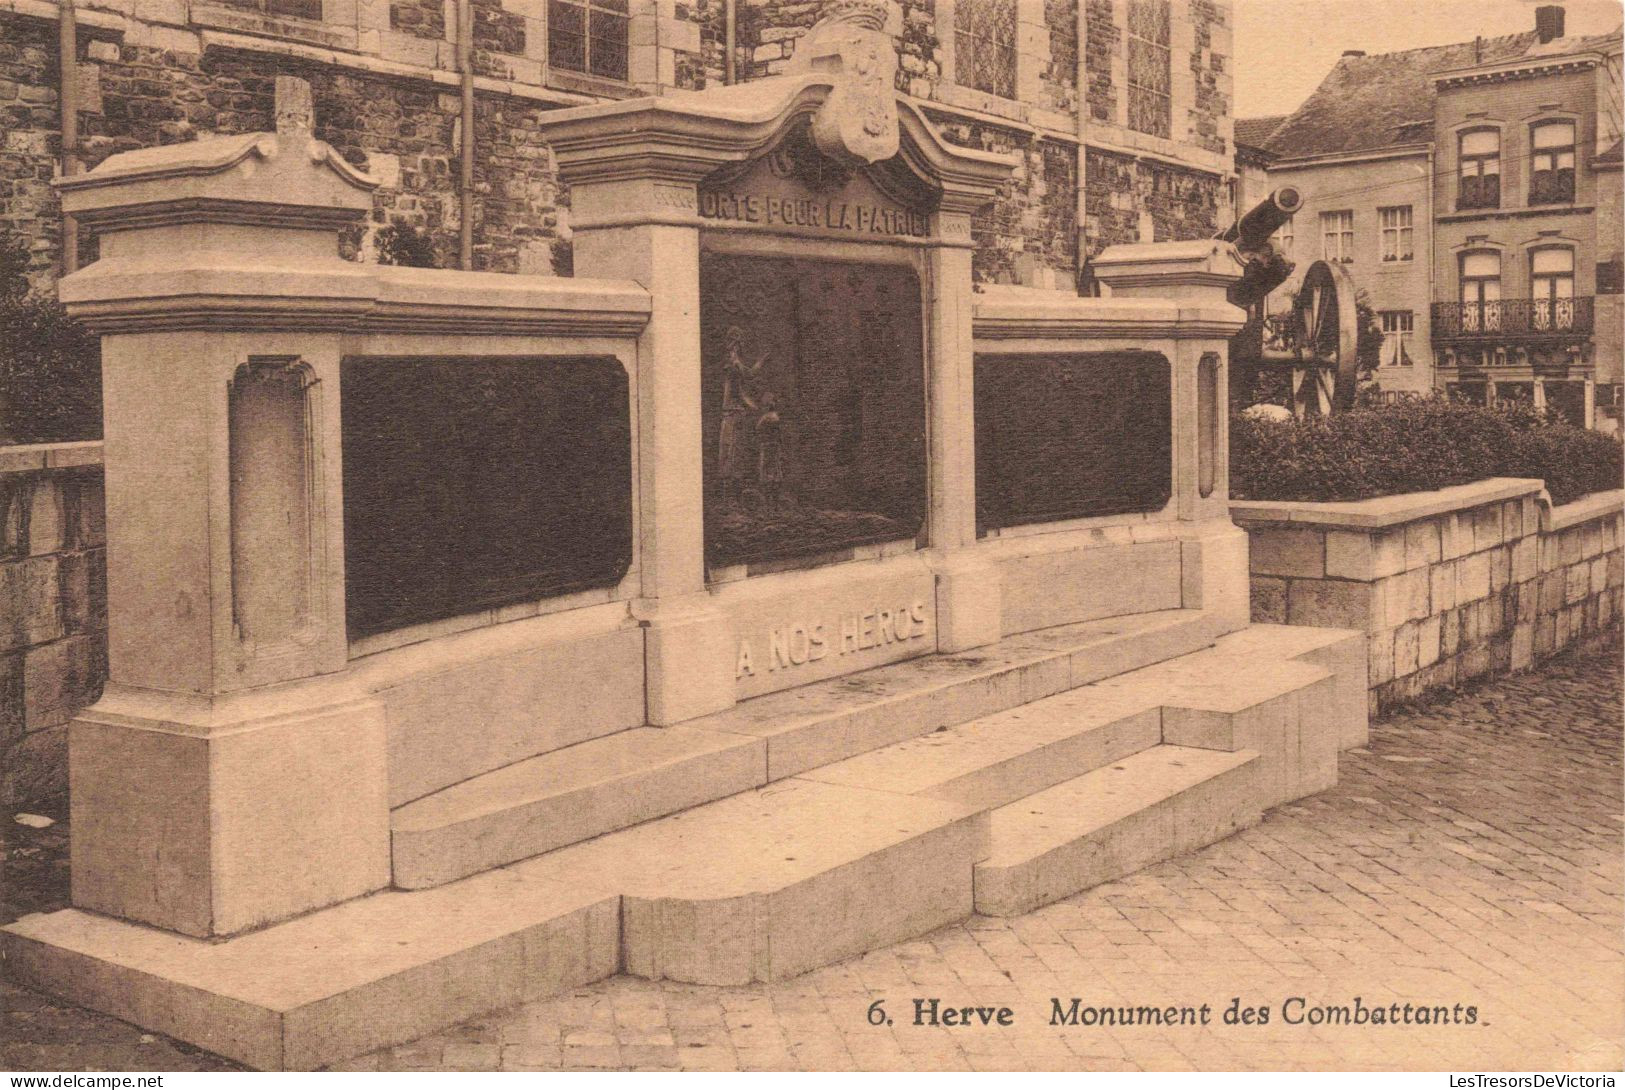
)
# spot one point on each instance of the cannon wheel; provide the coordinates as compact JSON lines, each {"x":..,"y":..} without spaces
{"x":1326,"y":374}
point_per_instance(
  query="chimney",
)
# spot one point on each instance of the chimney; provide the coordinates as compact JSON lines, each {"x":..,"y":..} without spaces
{"x":1548,"y":22}
{"x":1358,"y":52}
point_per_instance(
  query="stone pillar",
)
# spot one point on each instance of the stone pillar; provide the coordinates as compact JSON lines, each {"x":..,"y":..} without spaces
{"x":969,"y":607}
{"x":644,"y":228}
{"x":216,"y":786}
{"x":1197,"y":274}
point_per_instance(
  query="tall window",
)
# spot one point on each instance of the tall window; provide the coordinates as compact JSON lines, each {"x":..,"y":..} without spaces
{"x":1551,"y":169}
{"x":1150,"y":71}
{"x":1397,"y":233}
{"x":985,"y":46}
{"x":1551,"y":287}
{"x":1337,"y":236}
{"x":1284,"y":237}
{"x":588,"y":36}
{"x":1480,"y":155}
{"x":1481,"y":290}
{"x":1397,"y":328}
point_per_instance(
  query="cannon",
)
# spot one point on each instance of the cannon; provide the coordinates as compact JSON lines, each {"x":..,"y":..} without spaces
{"x":1317,"y":340}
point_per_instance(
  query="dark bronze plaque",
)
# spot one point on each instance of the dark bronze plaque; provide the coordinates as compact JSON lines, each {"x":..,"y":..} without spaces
{"x":814,"y":406}
{"x":474,"y":483}
{"x":1064,"y":437}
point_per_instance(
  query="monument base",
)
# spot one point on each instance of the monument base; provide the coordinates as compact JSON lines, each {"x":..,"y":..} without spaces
{"x":245,"y":813}
{"x":919,"y":791}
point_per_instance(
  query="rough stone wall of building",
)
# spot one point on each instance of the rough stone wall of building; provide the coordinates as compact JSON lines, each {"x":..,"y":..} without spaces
{"x":1210,"y":104}
{"x":403,"y":129}
{"x":766,"y":33}
{"x":1484,"y":588}
{"x":1029,"y":234}
{"x":53,"y":630}
{"x":422,"y":18}
{"x":1060,"y":78}
{"x":1118,"y":189}
{"x":1102,"y":42}
{"x":29,"y":139}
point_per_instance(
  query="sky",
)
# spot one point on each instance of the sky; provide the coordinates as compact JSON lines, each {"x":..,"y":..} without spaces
{"x":1284,"y":48}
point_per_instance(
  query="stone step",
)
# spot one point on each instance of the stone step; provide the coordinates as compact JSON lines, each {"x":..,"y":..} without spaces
{"x":999,"y":758}
{"x":829,"y":721}
{"x":566,"y":796}
{"x":759,"y":886}
{"x":596,"y":787}
{"x":1111,"y":822}
{"x":770,"y":881}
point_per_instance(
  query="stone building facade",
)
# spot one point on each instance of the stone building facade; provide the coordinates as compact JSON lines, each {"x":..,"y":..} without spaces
{"x":1119,"y":109}
{"x":1417,"y":171}
{"x":1517,"y":262}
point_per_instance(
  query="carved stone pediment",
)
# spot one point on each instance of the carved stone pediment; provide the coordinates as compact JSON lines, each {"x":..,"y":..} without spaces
{"x":857,"y":123}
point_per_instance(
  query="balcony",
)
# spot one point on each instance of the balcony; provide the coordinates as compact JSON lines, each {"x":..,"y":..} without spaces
{"x":1513,"y":320}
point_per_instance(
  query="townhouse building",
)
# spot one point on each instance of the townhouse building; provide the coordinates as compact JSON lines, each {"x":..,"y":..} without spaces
{"x":1465,"y":188}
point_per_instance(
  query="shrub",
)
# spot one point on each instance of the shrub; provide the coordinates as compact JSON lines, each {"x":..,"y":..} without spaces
{"x":50,"y":365}
{"x":1416,"y":445}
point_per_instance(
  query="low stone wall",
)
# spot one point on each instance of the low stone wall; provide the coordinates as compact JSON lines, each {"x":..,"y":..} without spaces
{"x":53,"y":610}
{"x":1447,"y":585}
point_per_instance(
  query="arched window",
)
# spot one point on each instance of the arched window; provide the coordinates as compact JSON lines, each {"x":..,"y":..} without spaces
{"x":1480,"y":159}
{"x":1480,"y":290}
{"x":1551,"y":169}
{"x":1551,"y":287}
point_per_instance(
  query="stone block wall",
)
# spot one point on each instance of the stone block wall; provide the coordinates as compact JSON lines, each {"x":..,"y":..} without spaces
{"x":53,"y":610}
{"x":1447,"y":585}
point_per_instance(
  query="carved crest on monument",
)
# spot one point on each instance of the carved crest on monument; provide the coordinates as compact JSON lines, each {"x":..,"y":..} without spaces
{"x":858,"y":122}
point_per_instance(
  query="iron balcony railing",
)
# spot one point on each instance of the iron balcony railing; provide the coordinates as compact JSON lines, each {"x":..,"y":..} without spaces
{"x":1517,"y":319}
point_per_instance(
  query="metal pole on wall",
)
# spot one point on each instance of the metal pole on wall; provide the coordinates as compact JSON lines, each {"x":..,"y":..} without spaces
{"x":68,"y":100}
{"x":730,"y":25}
{"x":465,"y":63}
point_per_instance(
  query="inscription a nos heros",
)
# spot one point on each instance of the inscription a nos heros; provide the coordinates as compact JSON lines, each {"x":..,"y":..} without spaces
{"x":800,"y":643}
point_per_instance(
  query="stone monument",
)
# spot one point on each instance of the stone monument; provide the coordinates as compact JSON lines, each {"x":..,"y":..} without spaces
{"x":758,"y":596}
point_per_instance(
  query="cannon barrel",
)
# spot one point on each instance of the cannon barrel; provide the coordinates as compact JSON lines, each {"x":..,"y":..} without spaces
{"x":1252,"y":231}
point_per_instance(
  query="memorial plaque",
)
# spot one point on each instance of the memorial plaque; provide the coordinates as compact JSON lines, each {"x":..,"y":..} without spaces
{"x":814,"y":406}
{"x":1073,"y":436}
{"x":475,"y":483}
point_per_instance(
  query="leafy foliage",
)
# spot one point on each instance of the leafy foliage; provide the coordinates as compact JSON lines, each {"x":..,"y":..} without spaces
{"x":403,"y":244}
{"x":50,"y":365}
{"x":1416,"y":445}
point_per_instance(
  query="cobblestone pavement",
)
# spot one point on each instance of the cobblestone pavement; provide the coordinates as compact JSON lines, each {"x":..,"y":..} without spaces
{"x":1471,"y":855}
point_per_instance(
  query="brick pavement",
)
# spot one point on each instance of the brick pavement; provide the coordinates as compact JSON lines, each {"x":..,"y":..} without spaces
{"x":1472,"y":855}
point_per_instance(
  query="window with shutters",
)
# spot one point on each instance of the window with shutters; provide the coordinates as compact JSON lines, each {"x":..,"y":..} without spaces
{"x":1337,"y":236}
{"x":588,"y":36}
{"x":1397,"y":233}
{"x":1150,"y":68}
{"x":985,"y":46}
{"x":1480,"y":169}
{"x":1551,"y":166}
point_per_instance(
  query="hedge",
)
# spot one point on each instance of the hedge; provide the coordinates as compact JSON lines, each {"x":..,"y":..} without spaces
{"x":50,"y":365}
{"x":1416,"y":445}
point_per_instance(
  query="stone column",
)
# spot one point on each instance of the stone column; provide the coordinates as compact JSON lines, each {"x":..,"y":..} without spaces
{"x":645,"y":228}
{"x":219,"y":784}
{"x":1196,"y":274}
{"x":969,"y":606}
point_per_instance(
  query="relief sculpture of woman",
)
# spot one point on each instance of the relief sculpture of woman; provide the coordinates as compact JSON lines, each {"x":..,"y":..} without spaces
{"x":742,"y":396}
